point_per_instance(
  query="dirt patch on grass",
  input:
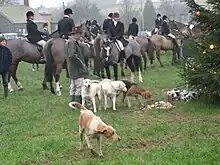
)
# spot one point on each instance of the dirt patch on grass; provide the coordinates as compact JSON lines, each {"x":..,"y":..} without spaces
{"x":149,"y":144}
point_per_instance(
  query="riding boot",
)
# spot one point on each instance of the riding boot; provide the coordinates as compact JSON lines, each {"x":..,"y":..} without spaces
{"x":78,"y":99}
{"x":5,"y":92}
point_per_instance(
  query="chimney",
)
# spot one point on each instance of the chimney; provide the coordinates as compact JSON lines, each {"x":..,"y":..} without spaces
{"x":26,"y":3}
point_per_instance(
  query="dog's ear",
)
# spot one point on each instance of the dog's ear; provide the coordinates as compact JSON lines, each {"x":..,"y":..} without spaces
{"x":101,"y":128}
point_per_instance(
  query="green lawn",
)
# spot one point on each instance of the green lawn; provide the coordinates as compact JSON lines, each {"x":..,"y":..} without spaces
{"x":37,"y":127}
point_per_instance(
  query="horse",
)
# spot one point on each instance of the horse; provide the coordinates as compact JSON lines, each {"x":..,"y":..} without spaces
{"x":23,"y":50}
{"x":107,"y":53}
{"x":159,"y":42}
{"x":54,"y":34}
{"x":143,"y":41}
{"x":55,"y":61}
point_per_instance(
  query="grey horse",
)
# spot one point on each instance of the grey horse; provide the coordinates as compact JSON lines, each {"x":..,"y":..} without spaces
{"x":107,"y":53}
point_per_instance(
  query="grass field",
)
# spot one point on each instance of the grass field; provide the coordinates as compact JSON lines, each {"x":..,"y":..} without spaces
{"x":37,"y":127}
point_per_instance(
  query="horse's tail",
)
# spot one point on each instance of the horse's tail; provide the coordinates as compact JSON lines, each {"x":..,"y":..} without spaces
{"x":150,"y":50}
{"x":49,"y":63}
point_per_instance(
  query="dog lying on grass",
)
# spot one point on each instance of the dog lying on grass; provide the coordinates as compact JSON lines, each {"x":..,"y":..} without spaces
{"x":134,"y":90}
{"x":93,"y":127}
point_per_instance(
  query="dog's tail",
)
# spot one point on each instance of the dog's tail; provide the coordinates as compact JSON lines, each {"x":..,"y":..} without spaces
{"x":75,"y":105}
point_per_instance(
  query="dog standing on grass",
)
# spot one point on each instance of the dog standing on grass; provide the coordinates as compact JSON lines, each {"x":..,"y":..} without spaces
{"x":134,"y":90}
{"x":110,"y":89}
{"x":93,"y":127}
{"x":91,"y":89}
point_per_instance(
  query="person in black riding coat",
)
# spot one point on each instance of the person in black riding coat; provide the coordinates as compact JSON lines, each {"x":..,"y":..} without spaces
{"x":34,"y":35}
{"x":66,"y":24}
{"x":107,"y":22}
{"x":116,"y":32}
{"x":165,"y":31}
{"x":5,"y":63}
{"x":158,"y":23}
{"x":133,"y":28}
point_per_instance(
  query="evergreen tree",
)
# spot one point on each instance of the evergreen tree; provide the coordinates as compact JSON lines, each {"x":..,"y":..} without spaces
{"x":149,"y":15}
{"x":203,"y":71}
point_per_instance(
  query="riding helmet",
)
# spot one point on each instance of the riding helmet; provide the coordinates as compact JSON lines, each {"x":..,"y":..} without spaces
{"x":165,"y":17}
{"x":29,"y":14}
{"x":68,"y":11}
{"x":110,"y":15}
{"x":158,"y":15}
{"x":134,"y":19}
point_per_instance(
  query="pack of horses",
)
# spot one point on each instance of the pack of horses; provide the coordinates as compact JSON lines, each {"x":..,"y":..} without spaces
{"x":104,"y":53}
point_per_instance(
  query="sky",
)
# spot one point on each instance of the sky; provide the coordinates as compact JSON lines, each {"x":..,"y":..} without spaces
{"x":46,"y":3}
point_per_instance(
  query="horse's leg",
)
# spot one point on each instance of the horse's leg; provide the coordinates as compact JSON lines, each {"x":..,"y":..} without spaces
{"x":107,"y":69}
{"x":33,"y":67}
{"x":158,"y":57}
{"x":122,"y":69}
{"x":14,"y":68}
{"x":38,"y":68}
{"x":115,"y":68}
{"x":131,"y":66}
{"x":138,"y":63}
{"x":9,"y":83}
{"x":58,"y":71}
{"x":44,"y":84}
{"x":145,"y":59}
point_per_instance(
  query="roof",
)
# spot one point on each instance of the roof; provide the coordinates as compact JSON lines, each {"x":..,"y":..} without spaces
{"x":17,"y":13}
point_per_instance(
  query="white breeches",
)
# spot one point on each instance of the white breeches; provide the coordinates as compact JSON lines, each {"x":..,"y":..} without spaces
{"x":41,"y":43}
{"x":119,"y":43}
{"x":171,"y":35}
{"x":191,"y":26}
{"x":156,"y":30}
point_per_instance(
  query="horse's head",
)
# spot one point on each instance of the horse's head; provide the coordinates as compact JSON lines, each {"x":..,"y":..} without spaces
{"x":106,"y":46}
{"x":85,"y":30}
{"x":180,"y":30}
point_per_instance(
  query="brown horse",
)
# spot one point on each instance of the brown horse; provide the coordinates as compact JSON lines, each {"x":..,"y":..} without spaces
{"x":23,"y":50}
{"x":55,"y":61}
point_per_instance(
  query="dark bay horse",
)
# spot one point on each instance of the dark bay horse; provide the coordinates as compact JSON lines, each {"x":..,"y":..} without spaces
{"x":107,"y":54}
{"x":54,"y":34}
{"x":22,"y":50}
{"x":55,"y":61}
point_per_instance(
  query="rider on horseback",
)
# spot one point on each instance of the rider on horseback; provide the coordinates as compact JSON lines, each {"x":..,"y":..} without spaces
{"x":34,"y":35}
{"x":133,"y":29}
{"x":158,"y":23}
{"x":166,"y":31}
{"x":107,"y":22}
{"x":116,"y":32}
{"x":66,"y":24}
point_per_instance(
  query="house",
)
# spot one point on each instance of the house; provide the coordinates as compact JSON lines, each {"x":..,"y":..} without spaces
{"x":13,"y":18}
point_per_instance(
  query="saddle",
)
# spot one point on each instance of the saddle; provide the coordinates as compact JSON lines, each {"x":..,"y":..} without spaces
{"x":39,"y":47}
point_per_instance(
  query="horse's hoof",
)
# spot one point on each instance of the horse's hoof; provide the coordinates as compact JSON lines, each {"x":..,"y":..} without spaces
{"x":33,"y":70}
{"x":52,"y":91}
{"x":58,"y":93}
{"x":11,"y":90}
{"x":45,"y":88}
{"x":20,"y":88}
